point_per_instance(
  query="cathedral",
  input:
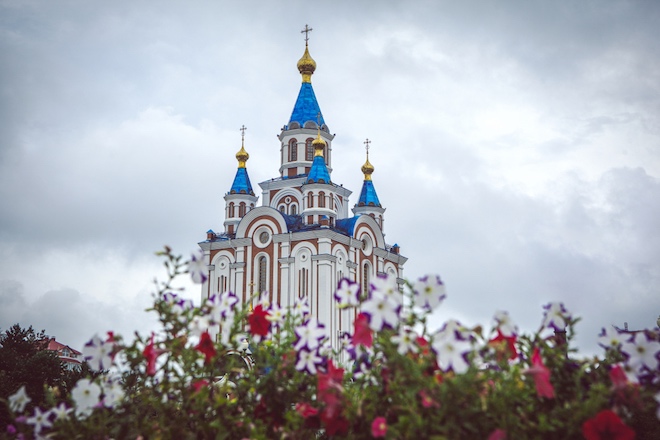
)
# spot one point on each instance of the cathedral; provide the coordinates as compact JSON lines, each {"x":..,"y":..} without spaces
{"x":302,"y":240}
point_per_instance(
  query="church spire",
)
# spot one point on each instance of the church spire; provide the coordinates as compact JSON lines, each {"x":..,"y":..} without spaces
{"x":242,"y":183}
{"x":306,"y":108}
{"x":368,"y":196}
{"x":306,"y":64}
{"x":319,"y":171}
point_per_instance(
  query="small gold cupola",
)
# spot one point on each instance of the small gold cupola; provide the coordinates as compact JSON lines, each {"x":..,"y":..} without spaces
{"x":242,"y":156}
{"x":367,"y":168}
{"x":306,"y":64}
{"x":319,"y":145}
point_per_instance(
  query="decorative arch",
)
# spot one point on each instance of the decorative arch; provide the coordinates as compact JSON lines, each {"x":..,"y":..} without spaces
{"x":270,"y":216}
{"x":261,"y":275}
{"x":221,"y":281}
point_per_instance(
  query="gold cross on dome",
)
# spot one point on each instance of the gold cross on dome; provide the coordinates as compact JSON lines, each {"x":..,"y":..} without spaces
{"x":306,"y":31}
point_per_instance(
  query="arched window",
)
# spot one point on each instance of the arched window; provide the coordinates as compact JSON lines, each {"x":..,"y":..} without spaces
{"x":309,"y":150}
{"x":263,"y":283}
{"x":366,"y":278}
{"x":321,"y":199}
{"x":310,"y":200}
{"x":293,"y":210}
{"x":231,"y":210}
{"x":241,"y":209}
{"x":293,"y":150}
{"x":282,"y":209}
{"x":302,"y":283}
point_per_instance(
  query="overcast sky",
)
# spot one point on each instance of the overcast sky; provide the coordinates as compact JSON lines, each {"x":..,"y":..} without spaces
{"x":516,"y":146}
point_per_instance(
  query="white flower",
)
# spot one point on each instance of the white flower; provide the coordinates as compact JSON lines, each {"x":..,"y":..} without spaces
{"x":386,"y":286}
{"x":610,"y":340}
{"x":199,"y":324}
{"x":98,"y":353}
{"x":504,"y":324}
{"x":451,"y":353}
{"x":406,"y":340}
{"x":61,"y":412}
{"x":381,"y":311}
{"x":18,"y":400}
{"x":197,"y":268}
{"x":112,"y":391}
{"x":641,"y":352}
{"x":429,"y":292}
{"x":276,"y":314}
{"x":347,"y":293}
{"x":39,"y":420}
{"x":221,"y":305}
{"x":556,"y":316}
{"x":86,"y":396}
{"x":300,"y":308}
{"x":309,"y":334}
{"x":307,"y":361}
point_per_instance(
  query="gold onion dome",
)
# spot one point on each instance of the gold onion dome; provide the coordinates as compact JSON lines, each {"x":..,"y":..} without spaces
{"x":242,"y":156}
{"x":367,"y":169}
{"x":306,"y":65}
{"x":319,"y":145}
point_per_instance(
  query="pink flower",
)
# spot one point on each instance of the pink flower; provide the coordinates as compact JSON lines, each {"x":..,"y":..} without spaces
{"x":362,"y":334}
{"x":306,"y":410}
{"x":607,"y":425}
{"x":541,"y":376}
{"x":379,"y":427}
{"x":206,"y":347}
{"x":498,"y":434}
{"x":427,"y":401}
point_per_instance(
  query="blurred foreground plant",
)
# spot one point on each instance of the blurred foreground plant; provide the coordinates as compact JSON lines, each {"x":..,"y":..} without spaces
{"x":229,"y":370}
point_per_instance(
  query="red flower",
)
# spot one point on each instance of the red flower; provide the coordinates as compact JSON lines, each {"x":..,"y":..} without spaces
{"x":541,"y":376}
{"x":259,"y":323}
{"x":332,"y":379}
{"x":503,"y":343}
{"x":379,"y":427}
{"x":498,"y":434}
{"x":306,"y":410}
{"x":199,"y":384}
{"x":362,"y":334}
{"x":151,"y":354}
{"x":607,"y":425}
{"x":206,"y":346}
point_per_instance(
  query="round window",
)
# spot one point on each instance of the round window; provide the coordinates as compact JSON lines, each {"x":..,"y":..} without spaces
{"x":264,"y":237}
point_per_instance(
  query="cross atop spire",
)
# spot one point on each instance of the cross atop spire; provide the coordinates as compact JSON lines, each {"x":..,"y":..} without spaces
{"x":243,"y":128}
{"x":366,"y":146}
{"x":306,"y":31}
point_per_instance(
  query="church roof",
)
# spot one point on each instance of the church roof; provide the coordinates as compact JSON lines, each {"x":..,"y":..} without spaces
{"x":368,"y":196}
{"x":241,"y":183}
{"x":346,"y":225}
{"x":319,"y":171}
{"x":306,"y":107}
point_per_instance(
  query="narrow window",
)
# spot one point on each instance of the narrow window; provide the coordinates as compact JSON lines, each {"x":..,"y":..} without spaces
{"x":263,"y":286}
{"x":293,"y":150}
{"x":241,"y":209}
{"x":309,"y":150}
{"x":321,"y":199}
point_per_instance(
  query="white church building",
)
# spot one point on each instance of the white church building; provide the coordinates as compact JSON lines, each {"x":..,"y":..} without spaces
{"x":302,"y":239}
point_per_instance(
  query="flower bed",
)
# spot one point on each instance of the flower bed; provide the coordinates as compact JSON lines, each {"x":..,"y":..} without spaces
{"x":223,"y":370}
